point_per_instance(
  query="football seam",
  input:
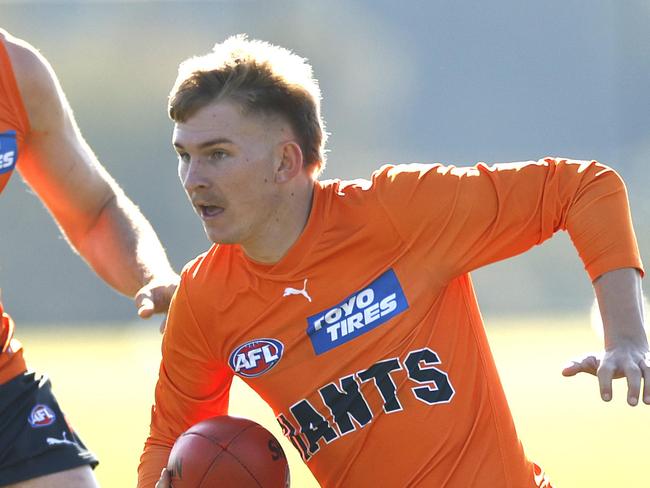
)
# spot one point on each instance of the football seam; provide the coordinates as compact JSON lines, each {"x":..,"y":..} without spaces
{"x":224,"y":448}
{"x":245,"y":468}
{"x":214,"y":441}
{"x":237,"y":459}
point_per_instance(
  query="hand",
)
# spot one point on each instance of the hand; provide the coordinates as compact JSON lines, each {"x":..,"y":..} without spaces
{"x":154,"y":297}
{"x":631,"y":362}
{"x":165,"y":480}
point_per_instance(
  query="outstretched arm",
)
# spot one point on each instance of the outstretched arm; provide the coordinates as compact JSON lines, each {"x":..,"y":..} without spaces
{"x":620,"y":300}
{"x":488,"y":213}
{"x":97,"y":218}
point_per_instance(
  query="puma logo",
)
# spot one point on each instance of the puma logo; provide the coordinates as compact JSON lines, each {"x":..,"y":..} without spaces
{"x":292,"y":291}
{"x":53,"y":441}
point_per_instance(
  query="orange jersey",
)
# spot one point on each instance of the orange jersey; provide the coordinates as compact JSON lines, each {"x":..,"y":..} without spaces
{"x":14,"y":126}
{"x":366,"y":338}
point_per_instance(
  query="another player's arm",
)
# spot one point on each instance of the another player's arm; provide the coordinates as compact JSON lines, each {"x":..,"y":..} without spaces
{"x":620,"y":301}
{"x":99,"y":221}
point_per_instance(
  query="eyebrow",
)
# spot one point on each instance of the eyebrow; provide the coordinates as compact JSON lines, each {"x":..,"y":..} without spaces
{"x":210,"y":143}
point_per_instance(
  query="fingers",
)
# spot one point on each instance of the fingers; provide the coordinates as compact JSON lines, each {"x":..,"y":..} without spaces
{"x":636,"y":372}
{"x":572,"y":369}
{"x":605,"y":375}
{"x":645,"y":371}
{"x":587,"y":365}
{"x":152,"y":299}
{"x":165,"y":479}
{"x":144,"y":302}
{"x":145,"y":305}
{"x":633,"y":375}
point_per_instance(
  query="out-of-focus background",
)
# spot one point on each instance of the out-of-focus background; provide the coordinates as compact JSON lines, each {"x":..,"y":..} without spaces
{"x":455,"y":82}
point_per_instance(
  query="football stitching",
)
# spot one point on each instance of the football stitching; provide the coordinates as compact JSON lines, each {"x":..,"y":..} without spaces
{"x":244,"y":466}
{"x":224,"y":448}
{"x":237,"y":459}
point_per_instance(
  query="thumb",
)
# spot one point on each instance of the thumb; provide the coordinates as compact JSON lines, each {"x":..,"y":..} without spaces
{"x":586,"y":365}
{"x":165,"y":479}
{"x":144,"y":303}
{"x":572,"y":369}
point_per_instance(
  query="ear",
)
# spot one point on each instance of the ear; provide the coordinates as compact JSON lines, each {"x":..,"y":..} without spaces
{"x":291,"y":163}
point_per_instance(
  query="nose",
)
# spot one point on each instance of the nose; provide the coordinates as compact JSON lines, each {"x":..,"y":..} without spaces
{"x":193,"y":175}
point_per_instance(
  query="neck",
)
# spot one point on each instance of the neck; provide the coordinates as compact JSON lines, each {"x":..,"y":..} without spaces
{"x":285,"y":228}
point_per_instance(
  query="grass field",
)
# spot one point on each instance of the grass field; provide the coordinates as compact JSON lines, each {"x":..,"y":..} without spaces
{"x":104,"y":378}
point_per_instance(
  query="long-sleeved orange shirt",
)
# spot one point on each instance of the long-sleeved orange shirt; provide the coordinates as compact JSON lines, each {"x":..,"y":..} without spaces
{"x":366,"y":338}
{"x":14,"y":127}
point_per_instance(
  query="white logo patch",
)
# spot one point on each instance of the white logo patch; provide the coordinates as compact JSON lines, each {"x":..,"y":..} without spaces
{"x":53,"y":441}
{"x":293,"y":291}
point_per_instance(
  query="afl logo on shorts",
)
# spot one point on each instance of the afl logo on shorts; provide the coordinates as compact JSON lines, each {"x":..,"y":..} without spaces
{"x":41,"y":416}
{"x":256,"y":357}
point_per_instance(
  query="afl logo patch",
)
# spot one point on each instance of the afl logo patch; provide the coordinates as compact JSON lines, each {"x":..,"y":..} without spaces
{"x":256,"y":357}
{"x":41,"y":416}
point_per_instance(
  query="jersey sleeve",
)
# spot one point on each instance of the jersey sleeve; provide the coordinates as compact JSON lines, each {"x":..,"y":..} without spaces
{"x":192,"y":386}
{"x":469,"y":217}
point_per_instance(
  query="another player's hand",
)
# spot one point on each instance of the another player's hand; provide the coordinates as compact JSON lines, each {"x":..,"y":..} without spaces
{"x":631,"y":362}
{"x":165,"y":480}
{"x":155,"y":296}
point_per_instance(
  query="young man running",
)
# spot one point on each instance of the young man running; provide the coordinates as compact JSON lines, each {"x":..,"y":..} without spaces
{"x":347,"y":305}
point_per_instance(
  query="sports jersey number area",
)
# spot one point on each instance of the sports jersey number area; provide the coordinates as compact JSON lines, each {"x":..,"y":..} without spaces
{"x":8,"y":151}
{"x":359,"y":313}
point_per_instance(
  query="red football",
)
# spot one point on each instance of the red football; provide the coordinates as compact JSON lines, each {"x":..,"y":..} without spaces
{"x":228,"y":452}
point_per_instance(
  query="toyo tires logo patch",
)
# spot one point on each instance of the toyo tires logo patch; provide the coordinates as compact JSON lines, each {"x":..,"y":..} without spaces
{"x":359,"y":313}
{"x":256,"y":357}
{"x":8,"y":151}
{"x":41,"y":416}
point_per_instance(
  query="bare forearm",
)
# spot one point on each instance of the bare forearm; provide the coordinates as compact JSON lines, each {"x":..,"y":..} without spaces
{"x":122,"y":247}
{"x":97,"y":218}
{"x":626,"y":345}
{"x":620,"y":300}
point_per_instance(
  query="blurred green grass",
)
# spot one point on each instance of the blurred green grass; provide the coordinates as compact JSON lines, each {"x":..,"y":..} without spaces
{"x":104,"y":376}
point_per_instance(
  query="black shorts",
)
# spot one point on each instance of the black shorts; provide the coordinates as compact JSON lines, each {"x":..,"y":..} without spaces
{"x":35,"y":438}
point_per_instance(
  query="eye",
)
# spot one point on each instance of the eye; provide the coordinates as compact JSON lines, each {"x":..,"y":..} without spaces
{"x":218,"y":154}
{"x":184,"y":157}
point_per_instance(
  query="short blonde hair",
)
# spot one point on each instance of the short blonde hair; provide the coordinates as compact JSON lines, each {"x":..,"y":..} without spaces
{"x":262,"y":78}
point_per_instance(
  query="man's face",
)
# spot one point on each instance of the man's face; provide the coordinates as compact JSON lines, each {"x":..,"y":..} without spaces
{"x":227,"y":163}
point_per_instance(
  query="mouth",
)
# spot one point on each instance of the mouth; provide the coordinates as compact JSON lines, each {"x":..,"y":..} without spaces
{"x":207,"y":212}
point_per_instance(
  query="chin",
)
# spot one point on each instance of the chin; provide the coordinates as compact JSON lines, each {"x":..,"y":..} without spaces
{"x":219,"y":238}
{"x":223,"y":234}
